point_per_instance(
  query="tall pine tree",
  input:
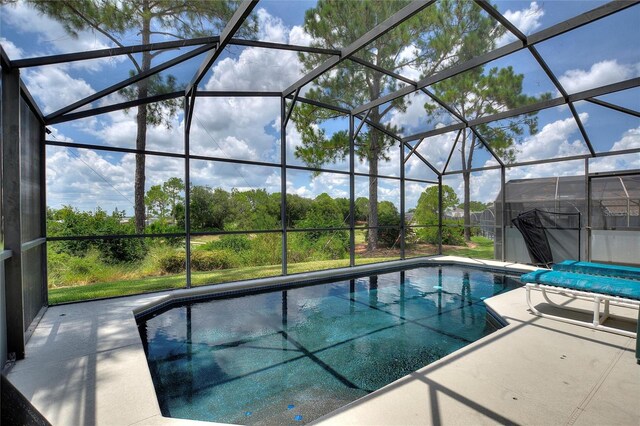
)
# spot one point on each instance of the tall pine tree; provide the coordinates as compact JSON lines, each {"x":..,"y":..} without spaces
{"x":442,"y":34}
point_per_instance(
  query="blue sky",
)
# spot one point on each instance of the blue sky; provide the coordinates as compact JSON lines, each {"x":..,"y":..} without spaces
{"x":248,"y":128}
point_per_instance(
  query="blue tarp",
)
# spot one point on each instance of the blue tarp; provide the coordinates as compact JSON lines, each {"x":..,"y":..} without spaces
{"x":590,"y":283}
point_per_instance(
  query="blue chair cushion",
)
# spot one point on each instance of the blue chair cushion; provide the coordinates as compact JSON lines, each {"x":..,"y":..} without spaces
{"x":617,"y":271}
{"x":629,"y":289}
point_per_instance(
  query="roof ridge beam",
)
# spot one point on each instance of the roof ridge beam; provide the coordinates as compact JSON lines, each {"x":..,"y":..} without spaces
{"x":129,"y":81}
{"x":538,"y":106}
{"x":383,"y":70}
{"x":282,"y":46}
{"x":378,"y":31}
{"x":318,"y":104}
{"x":114,"y":51}
{"x":165,"y":45}
{"x":236,"y":21}
{"x":114,"y":107}
{"x":545,"y":34}
{"x":235,"y":94}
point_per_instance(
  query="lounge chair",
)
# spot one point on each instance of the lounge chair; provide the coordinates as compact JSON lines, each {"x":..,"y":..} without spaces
{"x":603,"y":269}
{"x":600,"y":289}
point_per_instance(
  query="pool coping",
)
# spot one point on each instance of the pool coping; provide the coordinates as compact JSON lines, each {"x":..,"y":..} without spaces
{"x":116,"y":382}
{"x":310,"y":278}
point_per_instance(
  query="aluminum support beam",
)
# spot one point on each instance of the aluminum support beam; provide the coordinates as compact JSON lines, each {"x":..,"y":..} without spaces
{"x":440,"y":213}
{"x":383,"y":70}
{"x":115,"y":107}
{"x":11,"y":211}
{"x":487,"y":146}
{"x":110,"y":52}
{"x":378,"y":31}
{"x":623,"y":85}
{"x":403,"y":224}
{"x":188,"y":110}
{"x":614,"y":107}
{"x":320,"y":104}
{"x":26,"y":96}
{"x":129,"y":81}
{"x":442,"y":75}
{"x":166,"y":45}
{"x":283,"y":46}
{"x":453,"y":148}
{"x":293,"y":104}
{"x":501,"y":19}
{"x":283,"y":183}
{"x":558,"y":29}
{"x":352,"y":190}
{"x":503,"y":200}
{"x":236,"y":21}
{"x":236,"y":94}
{"x":5,"y":62}
{"x":412,"y":150}
{"x":583,"y":132}
{"x":565,"y":95}
{"x":156,"y":98}
{"x":362,"y":121}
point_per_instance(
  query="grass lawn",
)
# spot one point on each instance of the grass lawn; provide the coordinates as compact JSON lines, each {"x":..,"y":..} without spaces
{"x":483,"y":249}
{"x":168,"y":282}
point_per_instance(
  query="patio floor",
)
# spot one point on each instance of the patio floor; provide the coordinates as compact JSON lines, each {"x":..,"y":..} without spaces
{"x":85,"y":365}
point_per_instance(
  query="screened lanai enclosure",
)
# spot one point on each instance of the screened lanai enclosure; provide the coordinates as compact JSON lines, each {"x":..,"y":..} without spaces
{"x":149,"y":145}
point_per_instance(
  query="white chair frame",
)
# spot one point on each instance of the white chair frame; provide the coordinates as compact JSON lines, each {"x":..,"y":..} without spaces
{"x":598,"y":298}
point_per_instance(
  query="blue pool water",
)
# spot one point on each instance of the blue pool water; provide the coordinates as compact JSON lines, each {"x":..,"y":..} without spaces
{"x":291,"y":356}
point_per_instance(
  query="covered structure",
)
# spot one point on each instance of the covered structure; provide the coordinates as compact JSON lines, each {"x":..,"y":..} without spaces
{"x":431,"y":152}
{"x":602,"y":227}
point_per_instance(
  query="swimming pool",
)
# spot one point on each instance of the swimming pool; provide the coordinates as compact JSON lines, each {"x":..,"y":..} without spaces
{"x":289,"y":356}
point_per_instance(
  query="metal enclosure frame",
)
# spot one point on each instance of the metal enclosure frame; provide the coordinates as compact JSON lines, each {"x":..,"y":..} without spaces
{"x":13,"y":91}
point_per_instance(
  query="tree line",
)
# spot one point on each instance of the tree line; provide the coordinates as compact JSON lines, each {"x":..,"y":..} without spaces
{"x":216,"y":209}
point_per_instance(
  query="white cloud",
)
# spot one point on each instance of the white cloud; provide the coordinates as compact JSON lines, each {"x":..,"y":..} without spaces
{"x":553,"y":141}
{"x":629,"y":140}
{"x":86,"y":180}
{"x":600,"y":74}
{"x":305,"y":184}
{"x":300,"y":37}
{"x":52,"y":36}
{"x":271,"y":28}
{"x":256,"y":69}
{"x":526,"y":20}
{"x":13,"y":51}
{"x":406,"y":55}
{"x":55,"y":88}
{"x":414,"y":118}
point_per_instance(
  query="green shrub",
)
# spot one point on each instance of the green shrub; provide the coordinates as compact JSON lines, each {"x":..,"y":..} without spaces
{"x":67,"y":270}
{"x":122,"y":250}
{"x":234,"y":242}
{"x":173,"y":262}
{"x":212,"y":260}
{"x":317,"y":245}
{"x":161,"y":227}
{"x":266,"y":249}
{"x":451,"y":235}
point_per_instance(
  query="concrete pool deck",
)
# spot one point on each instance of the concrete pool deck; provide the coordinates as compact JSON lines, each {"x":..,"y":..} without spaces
{"x":85,"y":365}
